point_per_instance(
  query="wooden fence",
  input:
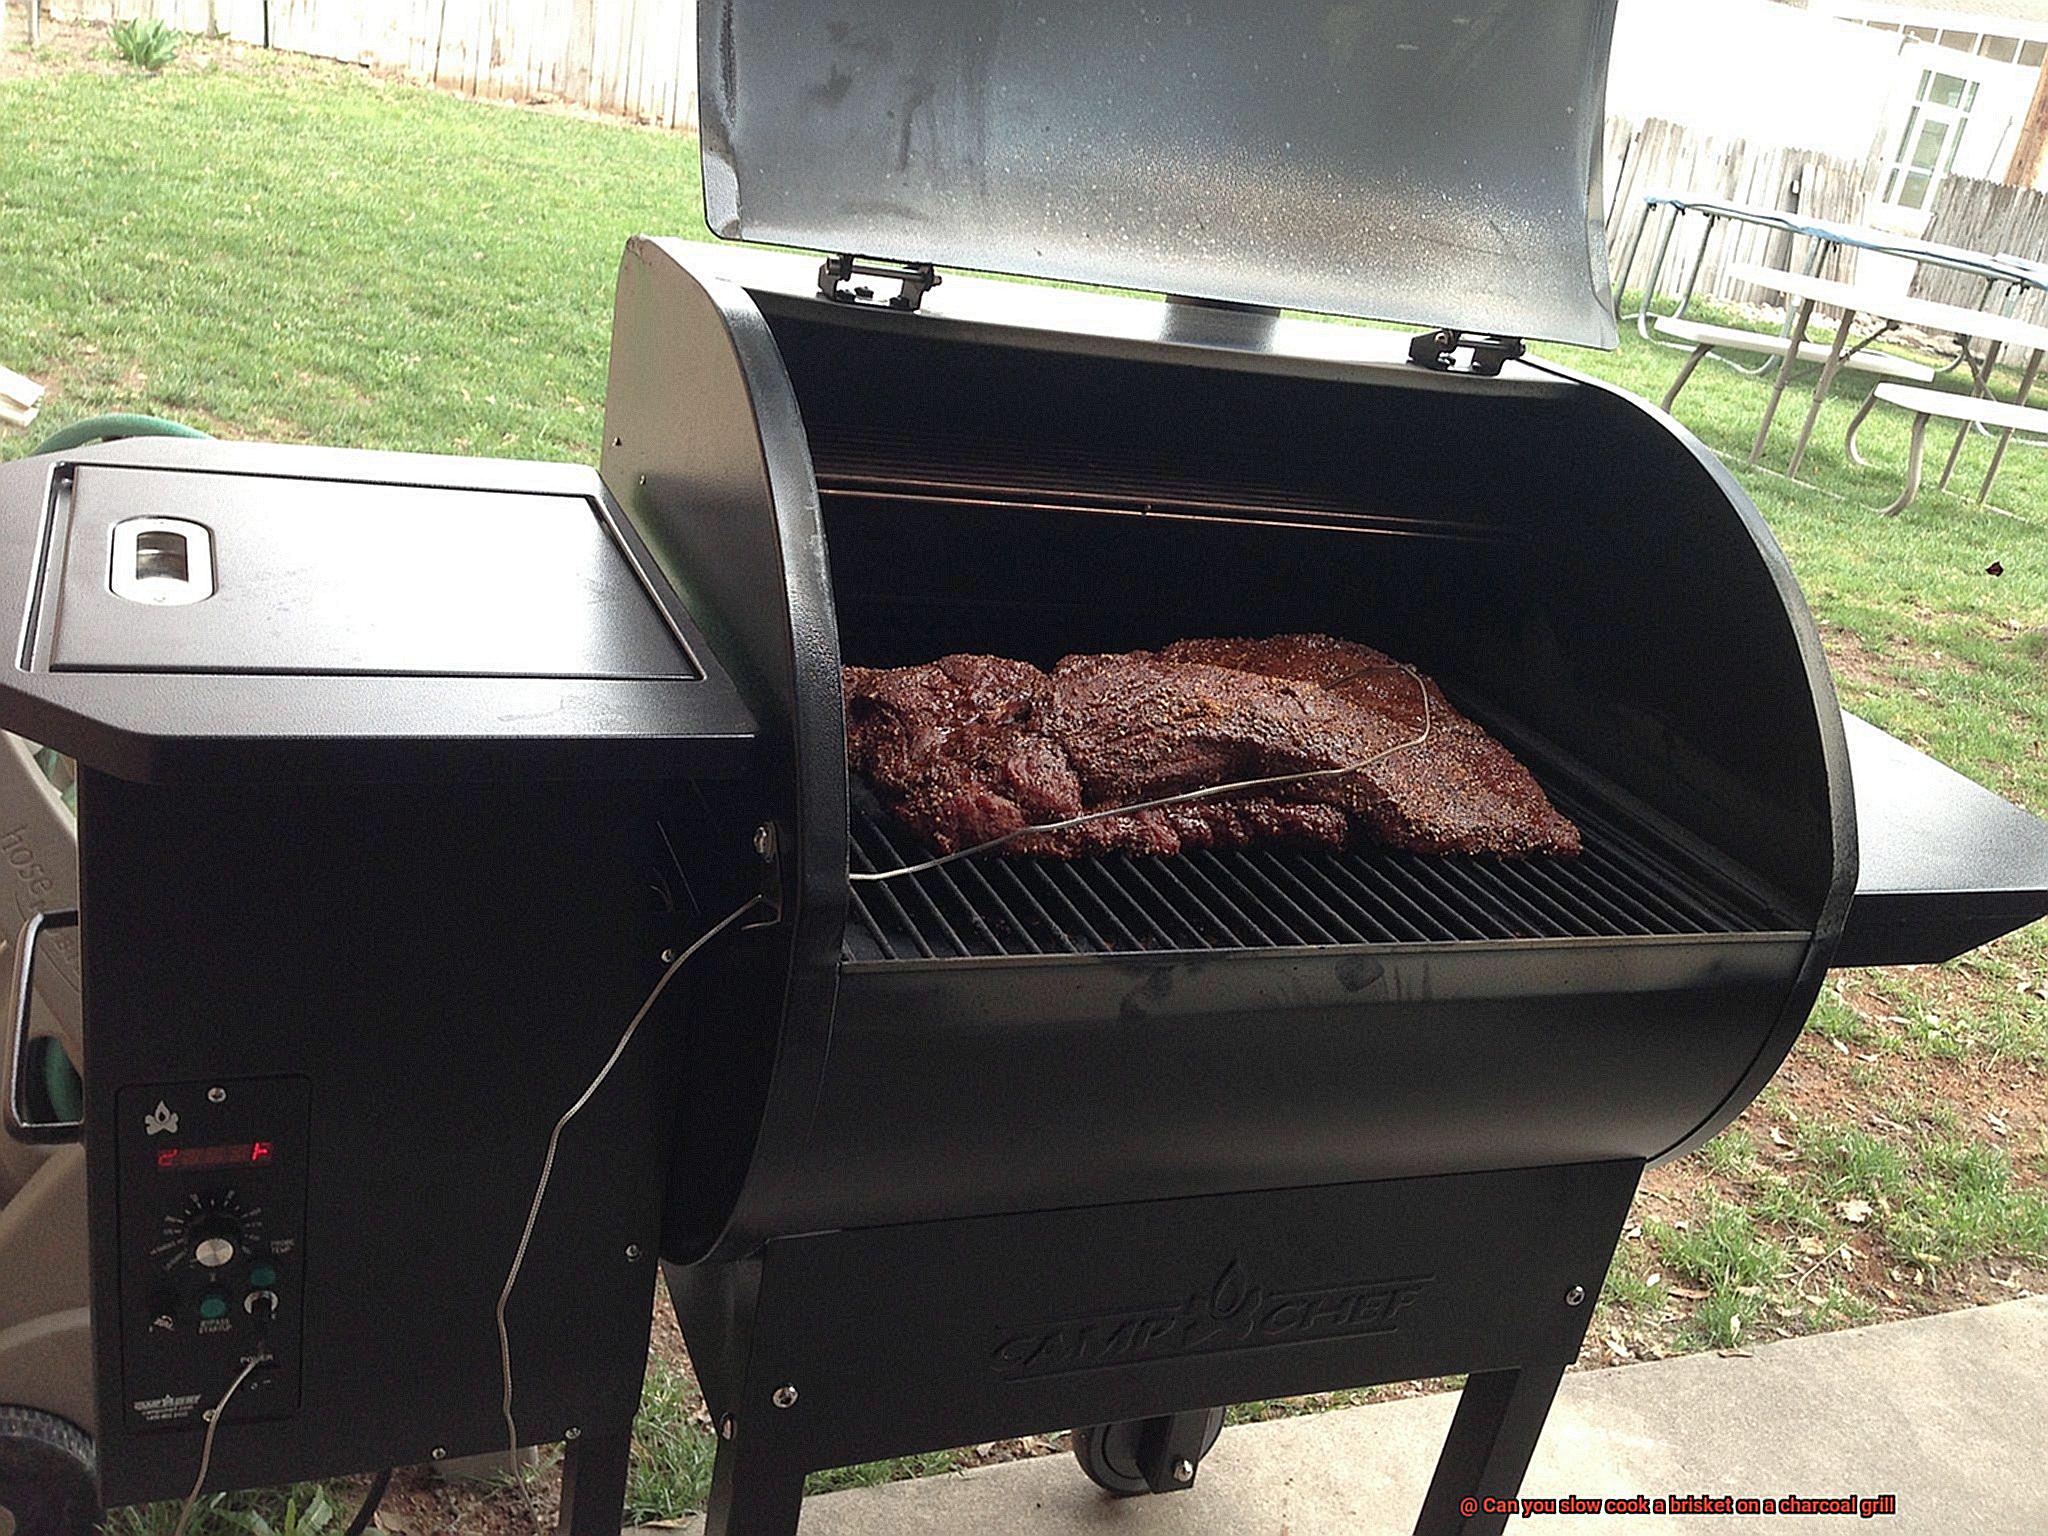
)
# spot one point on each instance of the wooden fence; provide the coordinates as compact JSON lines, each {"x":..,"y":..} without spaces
{"x":634,"y":57}
{"x":1662,"y":156}
{"x":1983,"y":216}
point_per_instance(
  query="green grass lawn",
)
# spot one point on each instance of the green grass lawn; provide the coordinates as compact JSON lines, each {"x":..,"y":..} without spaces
{"x":281,"y":250}
{"x":271,"y":248}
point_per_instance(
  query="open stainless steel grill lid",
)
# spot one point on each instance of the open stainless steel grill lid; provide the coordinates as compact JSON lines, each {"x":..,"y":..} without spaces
{"x":1409,"y":160}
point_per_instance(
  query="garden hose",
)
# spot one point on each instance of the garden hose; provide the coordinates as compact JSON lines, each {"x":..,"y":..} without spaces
{"x":100,"y":429}
{"x":61,"y":1084}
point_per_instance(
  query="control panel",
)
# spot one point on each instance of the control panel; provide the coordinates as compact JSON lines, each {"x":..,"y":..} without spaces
{"x":212,"y":1196}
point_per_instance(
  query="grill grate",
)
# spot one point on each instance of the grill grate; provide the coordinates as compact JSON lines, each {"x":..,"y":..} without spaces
{"x":1623,"y":885}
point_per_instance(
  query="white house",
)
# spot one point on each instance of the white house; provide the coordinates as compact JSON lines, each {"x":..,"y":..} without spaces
{"x":1970,"y":70}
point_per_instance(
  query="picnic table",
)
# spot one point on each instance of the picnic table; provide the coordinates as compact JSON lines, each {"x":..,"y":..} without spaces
{"x":1895,"y":309}
{"x":1826,"y":234}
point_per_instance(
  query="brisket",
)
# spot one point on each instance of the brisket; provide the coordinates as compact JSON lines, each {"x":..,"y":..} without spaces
{"x":970,"y":748}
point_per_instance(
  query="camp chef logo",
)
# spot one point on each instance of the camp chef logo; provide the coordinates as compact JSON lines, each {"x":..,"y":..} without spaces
{"x":1234,"y":1314}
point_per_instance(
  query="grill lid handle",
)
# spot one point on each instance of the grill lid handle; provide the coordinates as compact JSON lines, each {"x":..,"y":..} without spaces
{"x":1946,"y":864}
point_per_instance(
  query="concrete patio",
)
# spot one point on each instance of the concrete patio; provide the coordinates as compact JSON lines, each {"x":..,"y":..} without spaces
{"x":1949,"y":1414}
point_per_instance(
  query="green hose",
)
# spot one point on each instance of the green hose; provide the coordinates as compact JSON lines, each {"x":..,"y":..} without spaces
{"x":61,"y":1083}
{"x":99,"y":429}
{"x":60,"y":1075}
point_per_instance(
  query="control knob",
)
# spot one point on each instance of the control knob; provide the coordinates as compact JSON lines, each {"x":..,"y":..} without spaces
{"x":215,"y":1242}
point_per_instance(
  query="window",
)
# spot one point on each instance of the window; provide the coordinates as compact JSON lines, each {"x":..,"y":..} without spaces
{"x":2034,"y":53}
{"x":2003,"y":49}
{"x":1965,"y":42}
{"x":1933,"y":133}
{"x":1922,"y":34}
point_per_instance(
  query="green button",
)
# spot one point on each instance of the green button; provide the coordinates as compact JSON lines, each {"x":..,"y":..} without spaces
{"x":262,"y":1277}
{"x":213,"y":1306}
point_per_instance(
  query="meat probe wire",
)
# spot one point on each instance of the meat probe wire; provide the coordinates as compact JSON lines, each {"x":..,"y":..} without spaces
{"x":547,"y":1172}
{"x":213,"y":1419}
{"x":1428,"y":725}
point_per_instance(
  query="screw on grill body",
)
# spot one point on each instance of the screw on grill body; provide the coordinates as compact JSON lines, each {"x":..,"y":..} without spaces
{"x":216,"y":1095}
{"x":764,"y":841}
{"x":785,"y":1397}
{"x":572,"y":1433}
{"x":1183,"y":1471}
{"x":1575,"y":1295}
{"x":439,"y":1453}
{"x":632,"y":1253}
{"x":668,"y":957}
{"x":725,"y":1427}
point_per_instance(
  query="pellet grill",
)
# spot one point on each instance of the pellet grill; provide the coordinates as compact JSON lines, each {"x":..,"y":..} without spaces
{"x":406,"y":806}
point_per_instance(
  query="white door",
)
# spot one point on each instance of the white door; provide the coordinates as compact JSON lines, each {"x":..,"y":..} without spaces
{"x":1956,"y":114}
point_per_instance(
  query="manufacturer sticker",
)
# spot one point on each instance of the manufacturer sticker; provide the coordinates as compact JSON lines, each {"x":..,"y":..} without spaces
{"x":161,"y":1410}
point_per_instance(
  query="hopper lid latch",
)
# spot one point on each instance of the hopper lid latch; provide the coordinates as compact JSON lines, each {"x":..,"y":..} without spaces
{"x":914,"y":279}
{"x":1438,"y":349}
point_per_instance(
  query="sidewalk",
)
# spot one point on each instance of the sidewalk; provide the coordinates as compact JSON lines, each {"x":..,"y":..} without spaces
{"x":1949,"y":1413}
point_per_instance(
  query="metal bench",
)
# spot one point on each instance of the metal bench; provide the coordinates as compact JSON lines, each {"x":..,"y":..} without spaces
{"x":1928,"y":403}
{"x":1703,"y":338}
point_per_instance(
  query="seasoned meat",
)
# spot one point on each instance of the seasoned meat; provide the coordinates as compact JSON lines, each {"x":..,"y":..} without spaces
{"x":954,"y":749}
{"x":970,"y":748}
{"x":1459,"y":792}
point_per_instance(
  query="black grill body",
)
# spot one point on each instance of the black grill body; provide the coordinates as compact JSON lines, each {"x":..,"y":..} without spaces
{"x":1012,"y":1035}
{"x":983,"y":1100}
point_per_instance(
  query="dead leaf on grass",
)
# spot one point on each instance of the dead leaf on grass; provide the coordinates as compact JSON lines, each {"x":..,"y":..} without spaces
{"x":1856,"y":1212}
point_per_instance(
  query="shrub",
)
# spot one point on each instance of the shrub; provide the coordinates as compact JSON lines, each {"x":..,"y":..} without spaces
{"x":147,"y":42}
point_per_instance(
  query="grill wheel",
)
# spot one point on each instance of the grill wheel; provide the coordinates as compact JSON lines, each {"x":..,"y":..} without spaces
{"x":46,"y":1476}
{"x":1108,"y":1453}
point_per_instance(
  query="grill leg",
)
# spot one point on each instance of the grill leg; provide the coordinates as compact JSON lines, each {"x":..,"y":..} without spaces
{"x":1500,"y":1414}
{"x":594,"y":1485}
{"x":751,"y":1495}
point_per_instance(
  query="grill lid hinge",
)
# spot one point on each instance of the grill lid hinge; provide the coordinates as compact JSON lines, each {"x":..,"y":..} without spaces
{"x":915,"y":280}
{"x":1438,"y":349}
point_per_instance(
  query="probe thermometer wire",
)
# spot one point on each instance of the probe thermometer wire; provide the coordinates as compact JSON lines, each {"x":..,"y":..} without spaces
{"x":547,"y":1172}
{"x":206,"y":1445}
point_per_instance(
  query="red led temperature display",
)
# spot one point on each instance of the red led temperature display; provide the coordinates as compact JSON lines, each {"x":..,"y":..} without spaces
{"x":239,"y":1154}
